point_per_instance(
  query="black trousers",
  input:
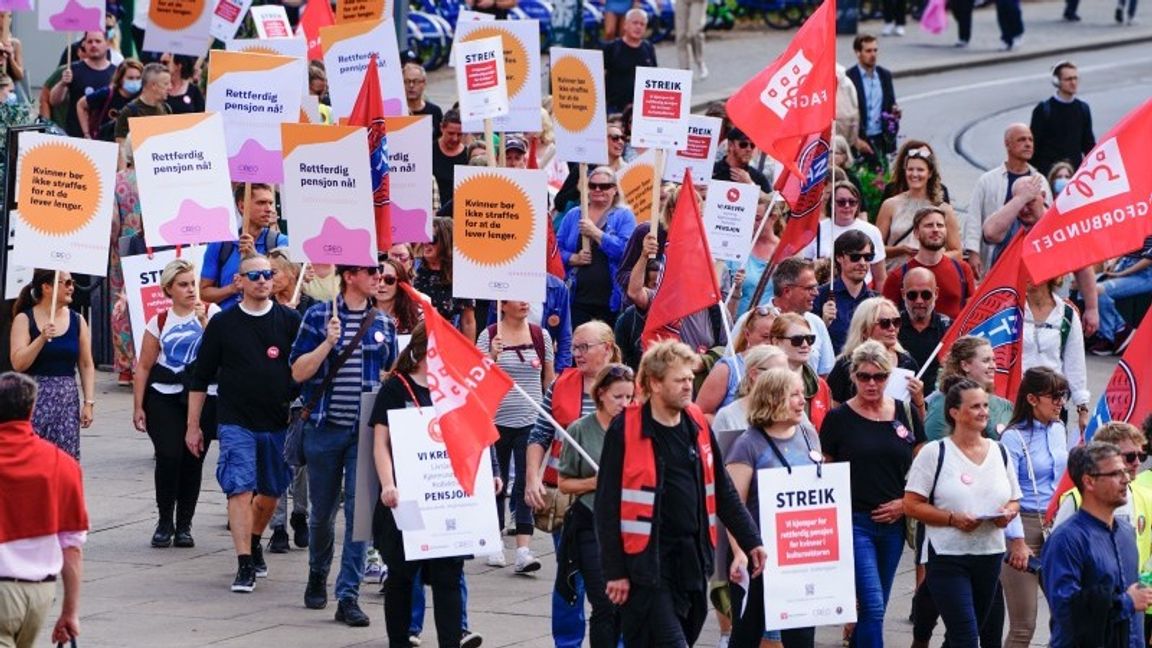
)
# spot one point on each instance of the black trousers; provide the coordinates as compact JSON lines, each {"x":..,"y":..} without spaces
{"x":748,"y":629}
{"x":925,"y":615}
{"x":962,"y":11}
{"x":177,"y":474}
{"x":604,"y":624}
{"x":582,"y":313}
{"x":649,"y":618}
{"x":443,"y":576}
{"x":1010,"y":19}
{"x":964,"y":590}
{"x":895,"y":11}
{"x":513,"y":444}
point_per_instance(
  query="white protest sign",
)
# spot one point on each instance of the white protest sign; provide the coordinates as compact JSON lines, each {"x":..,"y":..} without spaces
{"x":65,"y":195}
{"x":809,"y":519}
{"x":578,"y":105}
{"x":699,"y":154}
{"x":481,"y":84}
{"x":347,"y":49}
{"x":226,"y":18}
{"x":185,"y":195}
{"x":660,"y":105}
{"x":521,"y":48}
{"x":410,"y":177}
{"x":436,"y":518}
{"x":178,"y":26}
{"x":729,"y":219}
{"x":499,"y":233}
{"x":466,"y":16}
{"x":897,"y":385}
{"x":271,"y":21}
{"x":296,"y":47}
{"x":142,"y":287}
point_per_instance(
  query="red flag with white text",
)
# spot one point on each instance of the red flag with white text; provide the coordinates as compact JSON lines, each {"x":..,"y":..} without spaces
{"x":687,"y":282}
{"x":368,"y":111}
{"x":795,"y":95}
{"x":467,"y":387}
{"x":1104,"y":211}
{"x":317,"y":14}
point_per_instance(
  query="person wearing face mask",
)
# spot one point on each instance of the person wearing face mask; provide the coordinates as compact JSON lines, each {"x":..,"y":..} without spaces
{"x":1059,"y":176}
{"x":151,"y":102}
{"x":98,"y":112}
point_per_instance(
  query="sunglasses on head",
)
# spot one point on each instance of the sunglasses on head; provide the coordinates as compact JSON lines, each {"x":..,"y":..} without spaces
{"x":919,"y":295}
{"x":601,"y":186}
{"x":857,"y":257}
{"x":257,"y":275}
{"x":922,"y":152}
{"x":865,"y":377}
{"x":800,"y":340}
{"x":767,"y":309}
{"x":847,"y":202}
{"x":888,"y":322}
{"x":1133,"y":457}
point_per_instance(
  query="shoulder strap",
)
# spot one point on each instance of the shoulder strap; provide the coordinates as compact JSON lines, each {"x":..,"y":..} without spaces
{"x":537,"y":334}
{"x":936,"y":477}
{"x":222,"y":256}
{"x":1066,"y":325}
{"x":963,"y":283}
{"x":346,"y":353}
{"x":1003,"y":454}
{"x":491,"y":333}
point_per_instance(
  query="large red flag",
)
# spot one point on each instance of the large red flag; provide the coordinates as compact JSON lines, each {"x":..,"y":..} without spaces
{"x":369,"y":113}
{"x":467,"y":387}
{"x":795,"y":95}
{"x":317,"y":14}
{"x":688,"y":282}
{"x":804,"y":192}
{"x":1104,"y":210}
{"x":996,"y":312}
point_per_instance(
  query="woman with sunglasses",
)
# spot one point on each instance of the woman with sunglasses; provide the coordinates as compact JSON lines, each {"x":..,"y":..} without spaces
{"x":971,"y":358}
{"x":591,"y":271}
{"x":160,"y":401}
{"x":778,"y":436}
{"x":878,"y":435}
{"x":965,"y":492}
{"x":1037,"y":448}
{"x":894,"y":219}
{"x":1054,"y":338}
{"x":875,"y":319}
{"x":846,"y":217}
{"x":719,"y":388}
{"x":611,"y":391}
{"x":793,"y":334}
{"x":394,"y":301}
{"x":434,"y":278}
{"x":50,"y":346}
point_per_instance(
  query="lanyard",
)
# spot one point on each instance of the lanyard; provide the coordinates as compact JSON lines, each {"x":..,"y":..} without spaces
{"x":780,"y":455}
{"x":404,"y":381}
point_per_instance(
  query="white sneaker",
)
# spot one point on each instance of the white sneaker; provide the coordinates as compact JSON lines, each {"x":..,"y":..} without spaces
{"x":497,"y":560}
{"x":899,"y":30}
{"x":889,"y":29}
{"x":526,"y":563}
{"x":703,"y":71}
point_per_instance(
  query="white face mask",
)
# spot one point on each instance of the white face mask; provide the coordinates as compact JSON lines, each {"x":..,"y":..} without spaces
{"x":11,"y":99}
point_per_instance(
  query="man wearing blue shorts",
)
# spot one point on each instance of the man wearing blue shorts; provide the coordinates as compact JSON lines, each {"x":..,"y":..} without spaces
{"x":245,"y":351}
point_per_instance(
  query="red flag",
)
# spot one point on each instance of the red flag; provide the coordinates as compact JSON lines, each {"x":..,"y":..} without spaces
{"x":795,"y":95}
{"x":467,"y":387}
{"x":317,"y":14}
{"x":687,"y":283}
{"x":1104,"y":210}
{"x":369,"y":113}
{"x":996,"y":313}
{"x":555,"y":262}
{"x":804,"y":192}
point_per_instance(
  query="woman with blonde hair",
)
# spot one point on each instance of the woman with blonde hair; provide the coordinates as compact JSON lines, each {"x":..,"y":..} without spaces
{"x":971,"y":358}
{"x":733,"y":417}
{"x":719,"y":388}
{"x":793,"y":334}
{"x":876,"y":318}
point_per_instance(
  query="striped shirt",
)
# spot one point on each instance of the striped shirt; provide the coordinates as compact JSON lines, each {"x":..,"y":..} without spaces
{"x":348,"y":384}
{"x":524,"y":367}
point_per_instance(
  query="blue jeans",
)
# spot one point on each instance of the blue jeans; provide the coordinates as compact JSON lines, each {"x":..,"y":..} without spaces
{"x":419,"y":604}
{"x":964,"y":588}
{"x":331,"y":455}
{"x":876,"y":548}
{"x":567,"y":620}
{"x":1109,"y":290}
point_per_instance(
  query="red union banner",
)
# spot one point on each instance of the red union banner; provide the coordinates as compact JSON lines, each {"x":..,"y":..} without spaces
{"x":1104,"y":210}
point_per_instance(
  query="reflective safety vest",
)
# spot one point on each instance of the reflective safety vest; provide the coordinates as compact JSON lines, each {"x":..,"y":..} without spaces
{"x":638,"y":482}
{"x":567,"y":399}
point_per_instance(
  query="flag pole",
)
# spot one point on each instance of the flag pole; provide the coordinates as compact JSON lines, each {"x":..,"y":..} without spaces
{"x":729,"y":349}
{"x":247,"y":207}
{"x":559,"y":428}
{"x":488,"y":137}
{"x":924,"y":367}
{"x":657,"y":175}
{"x":831,"y":203}
{"x":502,"y":152}
{"x":299,"y":283}
{"x":585,"y":242}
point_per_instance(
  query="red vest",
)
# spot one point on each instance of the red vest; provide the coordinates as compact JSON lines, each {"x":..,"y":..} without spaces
{"x":567,"y":399}
{"x":638,"y":483}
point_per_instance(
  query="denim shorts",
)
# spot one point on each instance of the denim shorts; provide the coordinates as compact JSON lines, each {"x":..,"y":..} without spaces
{"x":252,"y":461}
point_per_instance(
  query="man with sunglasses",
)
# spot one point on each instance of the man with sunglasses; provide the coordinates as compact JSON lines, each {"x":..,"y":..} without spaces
{"x":332,"y":433}
{"x":1089,"y":566}
{"x":245,"y":352}
{"x":923,"y":326}
{"x":853,"y":254}
{"x":222,"y":259}
{"x":955,"y":279}
{"x":736,"y":165}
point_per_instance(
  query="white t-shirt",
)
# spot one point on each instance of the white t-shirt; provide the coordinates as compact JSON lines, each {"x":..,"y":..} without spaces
{"x":821,"y":247}
{"x":179,"y":344}
{"x":965,"y":487}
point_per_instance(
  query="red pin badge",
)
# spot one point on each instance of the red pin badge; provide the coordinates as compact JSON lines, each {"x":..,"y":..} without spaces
{"x":273,"y":352}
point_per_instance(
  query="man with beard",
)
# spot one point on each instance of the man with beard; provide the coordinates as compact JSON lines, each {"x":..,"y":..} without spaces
{"x":923,"y":326}
{"x":955,"y":280}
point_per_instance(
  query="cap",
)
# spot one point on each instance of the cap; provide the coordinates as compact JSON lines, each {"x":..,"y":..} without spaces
{"x":516,"y":143}
{"x":736,"y":134}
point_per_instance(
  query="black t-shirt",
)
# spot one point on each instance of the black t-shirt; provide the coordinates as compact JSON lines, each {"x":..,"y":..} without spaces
{"x":436,"y":113}
{"x":880,"y":452}
{"x":247,"y":355}
{"x":840,"y":379}
{"x":393,"y":396}
{"x":921,"y":344}
{"x":723,"y":171}
{"x":680,"y":500}
{"x":103,"y":107}
{"x":1012,"y":178}
{"x":85,"y":81}
{"x":620,"y":63}
{"x":594,"y":282}
{"x":444,"y":170}
{"x":192,"y":101}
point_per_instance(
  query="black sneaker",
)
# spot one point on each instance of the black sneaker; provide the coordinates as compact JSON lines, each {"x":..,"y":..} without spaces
{"x":469,"y":639}
{"x":349,"y":613}
{"x":1124,"y":338}
{"x":184,"y":538}
{"x":279,"y":542}
{"x":1100,"y":346}
{"x":245,"y":579}
{"x":299,"y":523}
{"x":1119,"y":15}
{"x":258,"y":563}
{"x":316,"y":593}
{"x":162,"y":537}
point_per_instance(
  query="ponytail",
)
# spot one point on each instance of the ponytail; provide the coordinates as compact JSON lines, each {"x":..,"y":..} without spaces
{"x":33,"y":291}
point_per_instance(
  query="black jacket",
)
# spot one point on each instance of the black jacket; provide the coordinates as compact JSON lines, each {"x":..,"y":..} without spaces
{"x":644,"y":568}
{"x":887,"y":92}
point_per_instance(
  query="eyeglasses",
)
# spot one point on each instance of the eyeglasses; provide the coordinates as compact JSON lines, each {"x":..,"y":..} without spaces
{"x":857,"y":257}
{"x":767,"y":309}
{"x":923,"y":152}
{"x":583,"y":348}
{"x":400,"y":257}
{"x":389,"y":280}
{"x":1133,"y":457}
{"x":889,"y":322}
{"x":616,"y":138}
{"x":371,"y":270}
{"x":919,"y":295}
{"x":813,"y":288}
{"x":847,"y":202}
{"x":871,"y":377}
{"x":67,"y":283}
{"x":257,"y":275}
{"x":1057,"y":398}
{"x":1124,"y":475}
{"x":744,"y":144}
{"x":601,"y":186}
{"x":800,"y":340}
{"x":413,"y":82}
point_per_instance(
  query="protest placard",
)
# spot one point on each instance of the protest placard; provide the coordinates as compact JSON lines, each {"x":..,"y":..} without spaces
{"x":296,"y":47}
{"x":347,"y":49}
{"x":254,"y":93}
{"x":178,"y":26}
{"x":729,"y":219}
{"x":327,"y":194}
{"x":660,"y":106}
{"x":806,"y":516}
{"x":410,"y":177}
{"x":361,"y":10}
{"x":636,"y":182}
{"x":465,"y":16}
{"x":16,"y":5}
{"x":226,"y":18}
{"x":578,"y":105}
{"x":71,"y":15}
{"x":184,"y":195}
{"x":521,"y":48}
{"x":142,"y":287}
{"x":65,"y":189}
{"x":699,"y":154}
{"x":271,"y":21}
{"x":481,"y":84}
{"x":499,"y":233}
